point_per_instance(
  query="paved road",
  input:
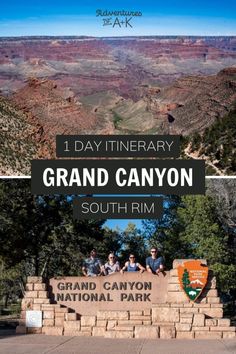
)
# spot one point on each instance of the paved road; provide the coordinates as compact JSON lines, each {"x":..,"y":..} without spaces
{"x":40,"y":344}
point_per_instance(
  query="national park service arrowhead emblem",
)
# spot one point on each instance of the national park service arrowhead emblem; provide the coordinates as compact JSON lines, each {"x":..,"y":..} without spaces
{"x":192,"y":278}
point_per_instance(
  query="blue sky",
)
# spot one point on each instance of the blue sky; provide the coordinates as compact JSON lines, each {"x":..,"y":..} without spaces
{"x":78,"y":18}
{"x":122,"y":223}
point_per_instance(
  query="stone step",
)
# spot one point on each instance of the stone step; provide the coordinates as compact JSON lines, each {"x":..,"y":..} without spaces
{"x":99,"y":331}
{"x":34,"y":330}
{"x":50,"y":306}
{"x":73,"y":333}
{"x":224,"y":322}
{"x":147,"y":332}
{"x":72,"y":325}
{"x":48,"y":322}
{"x":119,"y":334}
{"x":223,"y":329}
{"x":53,"y":331}
{"x":124,"y":328}
{"x":184,"y":335}
{"x":71,"y":316}
{"x":88,"y":321}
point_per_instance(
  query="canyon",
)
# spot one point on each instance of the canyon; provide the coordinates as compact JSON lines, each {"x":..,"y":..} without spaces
{"x":116,"y":85}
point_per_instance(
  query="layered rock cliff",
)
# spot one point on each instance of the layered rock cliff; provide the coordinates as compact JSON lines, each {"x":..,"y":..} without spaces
{"x":193,"y":103}
{"x":18,"y":140}
{"x":55,"y":109}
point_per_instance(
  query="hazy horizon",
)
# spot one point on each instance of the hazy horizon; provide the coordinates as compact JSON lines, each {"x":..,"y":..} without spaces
{"x":121,"y":36}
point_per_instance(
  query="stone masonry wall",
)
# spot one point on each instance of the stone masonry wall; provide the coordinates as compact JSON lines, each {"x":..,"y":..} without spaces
{"x":176,"y":318}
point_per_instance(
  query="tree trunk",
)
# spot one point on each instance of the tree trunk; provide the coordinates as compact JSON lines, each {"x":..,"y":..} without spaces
{"x":6,"y":300}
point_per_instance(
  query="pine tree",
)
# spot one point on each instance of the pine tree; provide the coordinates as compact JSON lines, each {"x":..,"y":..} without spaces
{"x":40,"y":231}
{"x":185,"y":279}
{"x":164,"y":234}
{"x":203,"y":237}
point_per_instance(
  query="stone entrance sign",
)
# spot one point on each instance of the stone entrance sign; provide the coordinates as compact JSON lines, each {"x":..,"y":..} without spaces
{"x":87,"y":295}
{"x":130,"y":305}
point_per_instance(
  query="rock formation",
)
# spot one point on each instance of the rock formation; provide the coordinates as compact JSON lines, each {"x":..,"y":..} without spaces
{"x":53,"y":108}
{"x":193,"y":103}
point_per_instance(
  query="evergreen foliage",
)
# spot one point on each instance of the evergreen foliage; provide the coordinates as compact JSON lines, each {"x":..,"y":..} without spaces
{"x":38,"y":236}
{"x":185,"y":279}
{"x":218,"y":143}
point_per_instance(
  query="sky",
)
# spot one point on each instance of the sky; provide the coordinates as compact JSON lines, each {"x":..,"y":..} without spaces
{"x":34,"y":17}
{"x":122,"y":223}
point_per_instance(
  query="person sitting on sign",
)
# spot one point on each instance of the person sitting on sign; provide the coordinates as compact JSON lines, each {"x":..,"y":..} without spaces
{"x":154,"y":264}
{"x":112,"y":266}
{"x":132,"y":266}
{"x":92,"y":266}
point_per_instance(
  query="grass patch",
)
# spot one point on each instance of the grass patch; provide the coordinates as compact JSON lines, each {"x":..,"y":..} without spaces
{"x":12,"y":309}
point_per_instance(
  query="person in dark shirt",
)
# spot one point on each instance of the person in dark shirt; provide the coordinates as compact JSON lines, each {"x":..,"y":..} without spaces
{"x":92,"y":266}
{"x":154,"y":264}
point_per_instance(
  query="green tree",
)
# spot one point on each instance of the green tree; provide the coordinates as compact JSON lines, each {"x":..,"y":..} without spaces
{"x":41,"y":231}
{"x":112,"y":242}
{"x":185,"y":279}
{"x":203,"y":236}
{"x":218,"y":142}
{"x":164,"y":232}
{"x":11,"y":286}
{"x":199,"y":230}
{"x":133,"y":241}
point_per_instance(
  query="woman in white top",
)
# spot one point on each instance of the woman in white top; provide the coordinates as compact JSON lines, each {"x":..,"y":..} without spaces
{"x":112,"y":266}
